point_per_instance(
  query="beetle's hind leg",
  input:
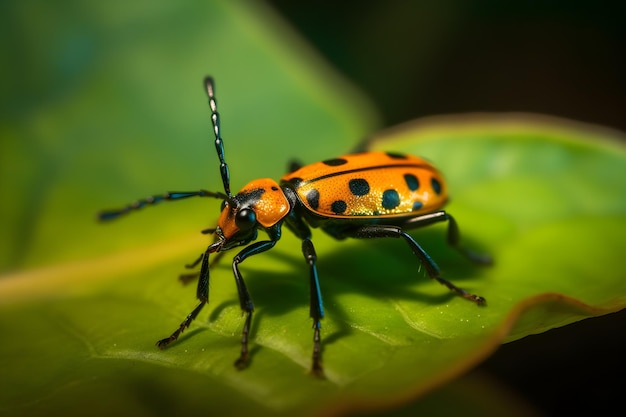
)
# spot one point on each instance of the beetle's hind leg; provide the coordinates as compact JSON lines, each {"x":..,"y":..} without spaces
{"x":453,"y":235}
{"x":375,"y":231}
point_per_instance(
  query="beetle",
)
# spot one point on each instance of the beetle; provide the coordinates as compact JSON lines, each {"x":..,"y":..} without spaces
{"x":362,"y":195}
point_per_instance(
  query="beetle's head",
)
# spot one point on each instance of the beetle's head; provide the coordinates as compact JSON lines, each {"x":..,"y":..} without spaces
{"x":261,"y":204}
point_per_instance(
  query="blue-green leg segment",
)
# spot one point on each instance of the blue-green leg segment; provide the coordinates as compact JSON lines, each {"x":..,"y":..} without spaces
{"x":316,"y":305}
{"x":316,"y":309}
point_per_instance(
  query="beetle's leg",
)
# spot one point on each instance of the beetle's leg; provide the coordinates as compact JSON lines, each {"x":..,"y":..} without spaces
{"x":294,"y":165}
{"x":244,"y":296}
{"x":453,"y":236}
{"x":202,"y":294}
{"x":374,"y":231}
{"x":186,"y":278}
{"x":301,"y":230}
{"x":317,"y":306}
{"x":196,"y":262}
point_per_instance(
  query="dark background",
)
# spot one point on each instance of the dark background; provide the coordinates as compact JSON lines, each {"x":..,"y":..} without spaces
{"x":417,"y":58}
{"x":567,"y":58}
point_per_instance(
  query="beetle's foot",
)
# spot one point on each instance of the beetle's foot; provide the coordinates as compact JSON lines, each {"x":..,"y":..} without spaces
{"x":242,"y":362}
{"x":317,"y":370}
{"x":163,"y":343}
{"x":480,"y":301}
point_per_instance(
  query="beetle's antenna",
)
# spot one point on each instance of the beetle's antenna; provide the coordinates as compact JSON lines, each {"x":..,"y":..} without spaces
{"x":219,"y":143}
{"x":177,"y":195}
{"x":172,"y":195}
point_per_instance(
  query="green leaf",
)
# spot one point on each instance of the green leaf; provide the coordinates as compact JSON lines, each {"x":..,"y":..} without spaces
{"x":108,"y":105}
{"x":110,"y":108}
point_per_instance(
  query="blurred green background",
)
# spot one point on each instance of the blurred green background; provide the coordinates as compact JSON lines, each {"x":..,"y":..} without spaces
{"x":412,"y":59}
{"x":418,"y":58}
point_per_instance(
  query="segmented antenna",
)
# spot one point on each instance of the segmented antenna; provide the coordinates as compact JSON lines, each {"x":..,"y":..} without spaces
{"x":219,"y":143}
{"x":178,"y":195}
{"x":172,"y":195}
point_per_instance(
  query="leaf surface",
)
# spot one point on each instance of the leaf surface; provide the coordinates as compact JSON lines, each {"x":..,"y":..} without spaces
{"x":105,"y":120}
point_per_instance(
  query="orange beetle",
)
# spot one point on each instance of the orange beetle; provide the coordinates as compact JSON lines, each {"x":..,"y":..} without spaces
{"x":359,"y":195}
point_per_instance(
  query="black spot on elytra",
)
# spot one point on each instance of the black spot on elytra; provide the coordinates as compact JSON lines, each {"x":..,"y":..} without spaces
{"x":313,"y":198}
{"x":338,"y":206}
{"x":274,"y":188}
{"x":395,"y":155}
{"x":412,"y":182}
{"x":335,"y":162}
{"x":417,"y":205}
{"x":359,"y":186}
{"x":436,"y":185}
{"x":391,"y":199}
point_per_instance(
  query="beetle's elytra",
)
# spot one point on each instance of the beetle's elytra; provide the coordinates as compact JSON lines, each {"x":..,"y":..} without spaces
{"x":362,"y":195}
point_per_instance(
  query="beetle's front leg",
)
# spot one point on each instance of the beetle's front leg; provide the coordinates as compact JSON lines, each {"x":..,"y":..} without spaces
{"x":187,"y":278}
{"x":202,"y":293}
{"x":245,"y":300}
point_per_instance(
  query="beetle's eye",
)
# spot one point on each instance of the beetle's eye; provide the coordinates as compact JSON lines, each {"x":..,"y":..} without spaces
{"x":223,"y":205}
{"x":245,"y":219}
